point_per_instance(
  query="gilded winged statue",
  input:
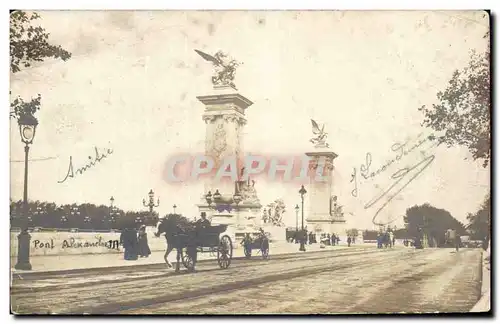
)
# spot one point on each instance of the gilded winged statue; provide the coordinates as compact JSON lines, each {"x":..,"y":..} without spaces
{"x":320,"y":134}
{"x":225,"y":68}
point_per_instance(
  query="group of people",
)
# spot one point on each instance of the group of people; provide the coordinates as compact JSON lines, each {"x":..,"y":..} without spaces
{"x":330,"y":239}
{"x":135,"y":243}
{"x":386,"y":239}
{"x":327,"y":239}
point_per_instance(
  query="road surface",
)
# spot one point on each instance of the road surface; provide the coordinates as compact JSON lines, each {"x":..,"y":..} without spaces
{"x":358,"y":280}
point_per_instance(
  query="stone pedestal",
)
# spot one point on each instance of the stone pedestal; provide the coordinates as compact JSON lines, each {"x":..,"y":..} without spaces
{"x":324,"y":216}
{"x":23,"y":251}
{"x":224,"y":117}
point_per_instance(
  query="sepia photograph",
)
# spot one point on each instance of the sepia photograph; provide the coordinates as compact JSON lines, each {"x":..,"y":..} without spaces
{"x":250,"y":162}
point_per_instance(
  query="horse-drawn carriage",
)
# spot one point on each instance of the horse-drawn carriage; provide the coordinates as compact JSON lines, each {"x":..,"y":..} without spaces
{"x":189,"y":240}
{"x":260,"y":243}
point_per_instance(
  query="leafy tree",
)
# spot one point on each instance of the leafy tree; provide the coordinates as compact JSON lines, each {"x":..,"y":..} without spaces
{"x":370,"y":235}
{"x":400,"y":233}
{"x":462,"y":116}
{"x":433,"y":222}
{"x":49,"y":215}
{"x":29,"y":43}
{"x":480,"y":222}
{"x":353,"y":232}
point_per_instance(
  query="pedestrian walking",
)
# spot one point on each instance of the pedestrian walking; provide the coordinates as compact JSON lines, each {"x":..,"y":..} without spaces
{"x":349,"y":241}
{"x":128,"y":239}
{"x":144,"y":250}
{"x":458,"y":242}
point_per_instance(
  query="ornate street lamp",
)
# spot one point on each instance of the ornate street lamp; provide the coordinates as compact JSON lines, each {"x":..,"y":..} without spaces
{"x":151,"y":203}
{"x":27,"y":128}
{"x":208,"y":198}
{"x":112,"y":211}
{"x":296,"y":222}
{"x":217,"y":196}
{"x":218,"y":202}
{"x":74,"y":212}
{"x":302,"y":192}
{"x":174,"y":207}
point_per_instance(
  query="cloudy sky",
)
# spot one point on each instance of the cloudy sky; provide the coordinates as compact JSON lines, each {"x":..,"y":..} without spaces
{"x":132,"y":83}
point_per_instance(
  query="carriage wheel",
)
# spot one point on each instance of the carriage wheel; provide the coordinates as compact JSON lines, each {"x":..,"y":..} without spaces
{"x":225,"y":252}
{"x":248,"y":252}
{"x":187,"y":260}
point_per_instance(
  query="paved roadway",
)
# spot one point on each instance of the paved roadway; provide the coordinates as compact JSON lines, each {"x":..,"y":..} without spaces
{"x":358,"y":280}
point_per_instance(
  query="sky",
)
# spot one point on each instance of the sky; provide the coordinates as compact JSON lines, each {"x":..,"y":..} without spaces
{"x":132,"y":82}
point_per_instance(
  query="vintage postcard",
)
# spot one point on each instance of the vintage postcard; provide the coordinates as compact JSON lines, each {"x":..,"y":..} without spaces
{"x":249,"y":162}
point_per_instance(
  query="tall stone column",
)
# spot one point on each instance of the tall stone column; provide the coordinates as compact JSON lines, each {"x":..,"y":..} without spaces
{"x":224,"y":117}
{"x":322,"y":216}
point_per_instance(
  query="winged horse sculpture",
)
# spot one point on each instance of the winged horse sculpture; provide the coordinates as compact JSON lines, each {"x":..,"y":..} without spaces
{"x":225,"y":69}
{"x":320,"y":134}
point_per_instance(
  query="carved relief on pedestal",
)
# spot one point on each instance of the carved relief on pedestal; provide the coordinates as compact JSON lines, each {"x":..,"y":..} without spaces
{"x":242,"y":121}
{"x":209,"y":119}
{"x":238,"y":120}
{"x":328,"y":164}
{"x":230,"y":118}
{"x":237,"y":148}
{"x":219,"y":141}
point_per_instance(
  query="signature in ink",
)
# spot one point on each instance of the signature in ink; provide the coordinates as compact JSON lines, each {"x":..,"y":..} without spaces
{"x":400,"y":149}
{"x":403,"y":177}
{"x":91,"y":163}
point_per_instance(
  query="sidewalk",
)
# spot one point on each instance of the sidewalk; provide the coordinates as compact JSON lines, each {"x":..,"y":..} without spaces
{"x":484,"y":303}
{"x":89,"y":261}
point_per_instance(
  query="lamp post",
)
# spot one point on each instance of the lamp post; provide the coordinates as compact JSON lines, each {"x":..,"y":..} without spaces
{"x":112,"y":211}
{"x":75,"y":214}
{"x":64,"y":220}
{"x":302,"y":192}
{"x":296,"y":222}
{"x":27,"y":128}
{"x":223,"y":204}
{"x":151,"y":203}
{"x":424,"y":232}
{"x":174,"y":207}
{"x":87,"y":220}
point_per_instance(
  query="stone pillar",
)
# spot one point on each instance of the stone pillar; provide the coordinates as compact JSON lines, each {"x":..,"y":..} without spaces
{"x":224,"y":117}
{"x":322,"y":216}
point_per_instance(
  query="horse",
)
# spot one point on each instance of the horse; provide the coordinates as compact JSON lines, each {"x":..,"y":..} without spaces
{"x":173,"y":225}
